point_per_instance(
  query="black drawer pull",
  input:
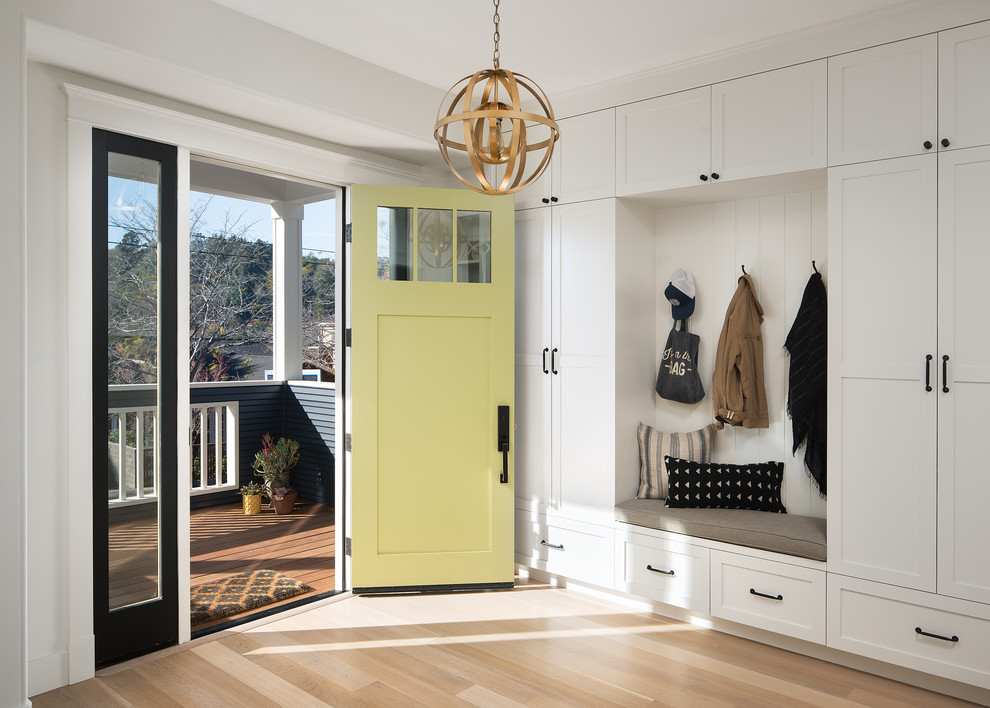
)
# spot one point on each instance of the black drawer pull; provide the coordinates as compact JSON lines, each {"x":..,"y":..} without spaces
{"x":550,"y":545}
{"x":953,"y":638}
{"x":657,"y":570}
{"x":945,"y":373}
{"x":928,"y":371}
{"x":769,"y":597}
{"x":546,"y":349}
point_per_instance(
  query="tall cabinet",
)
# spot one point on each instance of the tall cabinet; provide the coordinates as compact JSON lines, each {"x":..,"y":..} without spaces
{"x":909,"y":355}
{"x":579,"y":394}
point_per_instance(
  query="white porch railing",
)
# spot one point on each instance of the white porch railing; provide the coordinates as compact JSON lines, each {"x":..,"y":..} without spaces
{"x":132,"y":451}
{"x":213,"y":446}
{"x":133,"y":455}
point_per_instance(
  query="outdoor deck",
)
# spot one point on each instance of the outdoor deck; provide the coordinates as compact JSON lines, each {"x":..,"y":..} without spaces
{"x":225,"y":542}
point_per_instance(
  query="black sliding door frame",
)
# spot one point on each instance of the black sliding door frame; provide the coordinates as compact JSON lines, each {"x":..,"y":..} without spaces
{"x":153,"y":624}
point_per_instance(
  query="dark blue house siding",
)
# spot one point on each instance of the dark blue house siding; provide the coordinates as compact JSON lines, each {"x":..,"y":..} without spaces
{"x":260,"y":411}
{"x":309,"y":418}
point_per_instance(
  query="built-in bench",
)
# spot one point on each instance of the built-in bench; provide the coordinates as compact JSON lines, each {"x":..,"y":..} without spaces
{"x":790,"y":534}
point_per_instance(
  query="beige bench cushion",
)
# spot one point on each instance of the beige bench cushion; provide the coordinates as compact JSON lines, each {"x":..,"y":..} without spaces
{"x":793,"y":535}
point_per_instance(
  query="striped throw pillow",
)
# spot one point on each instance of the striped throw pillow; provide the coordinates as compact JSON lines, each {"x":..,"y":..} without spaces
{"x":655,"y":444}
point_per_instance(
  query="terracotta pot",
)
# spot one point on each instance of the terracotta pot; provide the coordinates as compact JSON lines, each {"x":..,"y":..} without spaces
{"x":285,"y":504}
{"x":252,"y":504}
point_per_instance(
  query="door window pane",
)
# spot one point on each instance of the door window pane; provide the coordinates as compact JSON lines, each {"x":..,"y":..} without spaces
{"x":474,"y":247}
{"x":133,"y":265}
{"x":435,"y":246}
{"x":395,"y":243}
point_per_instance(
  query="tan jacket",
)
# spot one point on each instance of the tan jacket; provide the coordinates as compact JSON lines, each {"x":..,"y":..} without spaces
{"x":738,"y":393}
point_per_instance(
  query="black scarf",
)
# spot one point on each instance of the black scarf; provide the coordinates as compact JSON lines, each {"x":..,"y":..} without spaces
{"x":807,"y":343}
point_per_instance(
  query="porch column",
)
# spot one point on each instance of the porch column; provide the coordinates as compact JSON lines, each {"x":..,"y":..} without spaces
{"x":287,"y":286}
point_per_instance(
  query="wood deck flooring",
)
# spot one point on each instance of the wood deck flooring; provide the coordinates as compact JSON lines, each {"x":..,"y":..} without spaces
{"x":224,"y":542}
{"x":534,"y":645}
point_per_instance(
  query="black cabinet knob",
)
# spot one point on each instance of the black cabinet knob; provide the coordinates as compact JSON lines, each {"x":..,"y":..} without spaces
{"x":928,"y":144}
{"x":945,"y":142}
{"x":545,"y":200}
{"x":714,"y":175}
{"x":553,"y":199}
{"x":704,"y":178}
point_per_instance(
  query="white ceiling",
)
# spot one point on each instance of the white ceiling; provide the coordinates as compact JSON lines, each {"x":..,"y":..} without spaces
{"x":563,"y":45}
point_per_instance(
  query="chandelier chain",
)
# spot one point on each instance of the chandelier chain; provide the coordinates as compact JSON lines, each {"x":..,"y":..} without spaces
{"x":495,"y":18}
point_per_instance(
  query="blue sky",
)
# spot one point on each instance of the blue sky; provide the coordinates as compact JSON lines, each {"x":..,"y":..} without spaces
{"x":318,"y":218}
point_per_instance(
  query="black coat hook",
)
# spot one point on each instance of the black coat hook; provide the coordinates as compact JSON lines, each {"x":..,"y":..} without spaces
{"x":744,"y":270}
{"x":814,"y":266}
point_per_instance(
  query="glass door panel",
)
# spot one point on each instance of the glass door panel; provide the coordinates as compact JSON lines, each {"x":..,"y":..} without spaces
{"x":132,"y":373}
{"x":134,"y":393}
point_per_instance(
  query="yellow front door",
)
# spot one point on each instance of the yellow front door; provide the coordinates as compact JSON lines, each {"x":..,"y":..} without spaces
{"x":431,"y":363}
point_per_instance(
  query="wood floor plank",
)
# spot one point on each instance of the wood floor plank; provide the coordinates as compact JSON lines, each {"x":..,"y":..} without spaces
{"x":536,"y":646}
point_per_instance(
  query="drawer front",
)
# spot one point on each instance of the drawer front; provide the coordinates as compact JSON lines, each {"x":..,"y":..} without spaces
{"x":584,"y":555}
{"x":672,"y":573}
{"x":778,"y":597}
{"x":530,"y":528}
{"x":882,"y":622}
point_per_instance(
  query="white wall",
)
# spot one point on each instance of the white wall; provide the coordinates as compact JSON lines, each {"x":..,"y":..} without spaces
{"x":776,"y":238}
{"x":34,"y":413}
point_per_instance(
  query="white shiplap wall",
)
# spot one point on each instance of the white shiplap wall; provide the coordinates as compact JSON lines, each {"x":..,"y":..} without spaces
{"x":776,"y":238}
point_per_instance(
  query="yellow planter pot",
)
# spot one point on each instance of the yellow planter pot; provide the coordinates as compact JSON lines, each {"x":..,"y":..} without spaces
{"x":252,"y":504}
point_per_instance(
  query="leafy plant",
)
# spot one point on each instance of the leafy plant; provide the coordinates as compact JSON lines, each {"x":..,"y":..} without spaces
{"x":251,"y":489}
{"x":274,"y":462}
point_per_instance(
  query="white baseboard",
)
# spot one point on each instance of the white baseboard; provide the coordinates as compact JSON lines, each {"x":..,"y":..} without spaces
{"x":48,"y":673}
{"x":82,"y":658}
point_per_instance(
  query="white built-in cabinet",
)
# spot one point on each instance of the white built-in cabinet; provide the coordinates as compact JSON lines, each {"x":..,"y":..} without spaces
{"x":765,"y":124}
{"x":582,"y":166}
{"x":907,"y":578}
{"x":927,"y":94}
{"x":909,"y":365}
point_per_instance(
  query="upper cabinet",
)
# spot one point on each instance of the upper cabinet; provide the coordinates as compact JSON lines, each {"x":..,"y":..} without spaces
{"x":964,"y":86}
{"x":766,"y":124}
{"x":770,"y":123}
{"x":881,"y":101}
{"x":582,"y":166}
{"x":663,"y":143}
{"x":907,"y":98}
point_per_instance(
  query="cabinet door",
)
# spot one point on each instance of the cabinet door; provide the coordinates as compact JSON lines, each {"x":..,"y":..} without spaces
{"x":963,"y":474}
{"x":536,"y":194}
{"x":882,"y":101}
{"x":770,"y":123}
{"x":584,"y":159}
{"x":663,"y":143}
{"x":964,"y":86}
{"x":532,"y":414}
{"x":881,"y":420}
{"x":583,"y":395}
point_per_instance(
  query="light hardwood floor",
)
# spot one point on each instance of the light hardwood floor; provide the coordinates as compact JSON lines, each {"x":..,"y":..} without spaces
{"x":531,"y":646}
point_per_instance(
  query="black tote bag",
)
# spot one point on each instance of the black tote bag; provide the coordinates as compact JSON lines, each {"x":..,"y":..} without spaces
{"x":679,"y":379}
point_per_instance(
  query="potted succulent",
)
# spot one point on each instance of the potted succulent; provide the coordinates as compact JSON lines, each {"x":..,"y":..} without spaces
{"x":273,"y":463}
{"x":251,"y":493}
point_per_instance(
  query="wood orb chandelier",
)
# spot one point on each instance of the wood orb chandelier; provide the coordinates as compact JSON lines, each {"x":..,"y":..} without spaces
{"x":497,"y":131}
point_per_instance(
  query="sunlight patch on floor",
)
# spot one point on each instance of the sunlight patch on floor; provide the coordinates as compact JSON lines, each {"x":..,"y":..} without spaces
{"x":434,"y":640}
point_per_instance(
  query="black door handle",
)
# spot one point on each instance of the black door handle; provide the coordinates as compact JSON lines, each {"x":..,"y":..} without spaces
{"x":553,"y":361}
{"x":657,"y":570}
{"x":551,"y":545}
{"x":769,"y":597}
{"x":945,"y":373}
{"x":503,"y":442}
{"x":546,"y":349}
{"x":928,"y":372}
{"x":953,"y":638}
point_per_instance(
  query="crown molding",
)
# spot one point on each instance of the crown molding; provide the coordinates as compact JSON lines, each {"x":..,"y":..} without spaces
{"x":880,"y":26}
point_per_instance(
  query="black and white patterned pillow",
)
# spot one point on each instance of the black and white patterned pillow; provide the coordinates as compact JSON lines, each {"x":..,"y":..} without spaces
{"x":717,"y":485}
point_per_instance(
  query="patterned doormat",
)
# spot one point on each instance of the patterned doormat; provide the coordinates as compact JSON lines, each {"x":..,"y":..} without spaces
{"x":242,"y":592}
